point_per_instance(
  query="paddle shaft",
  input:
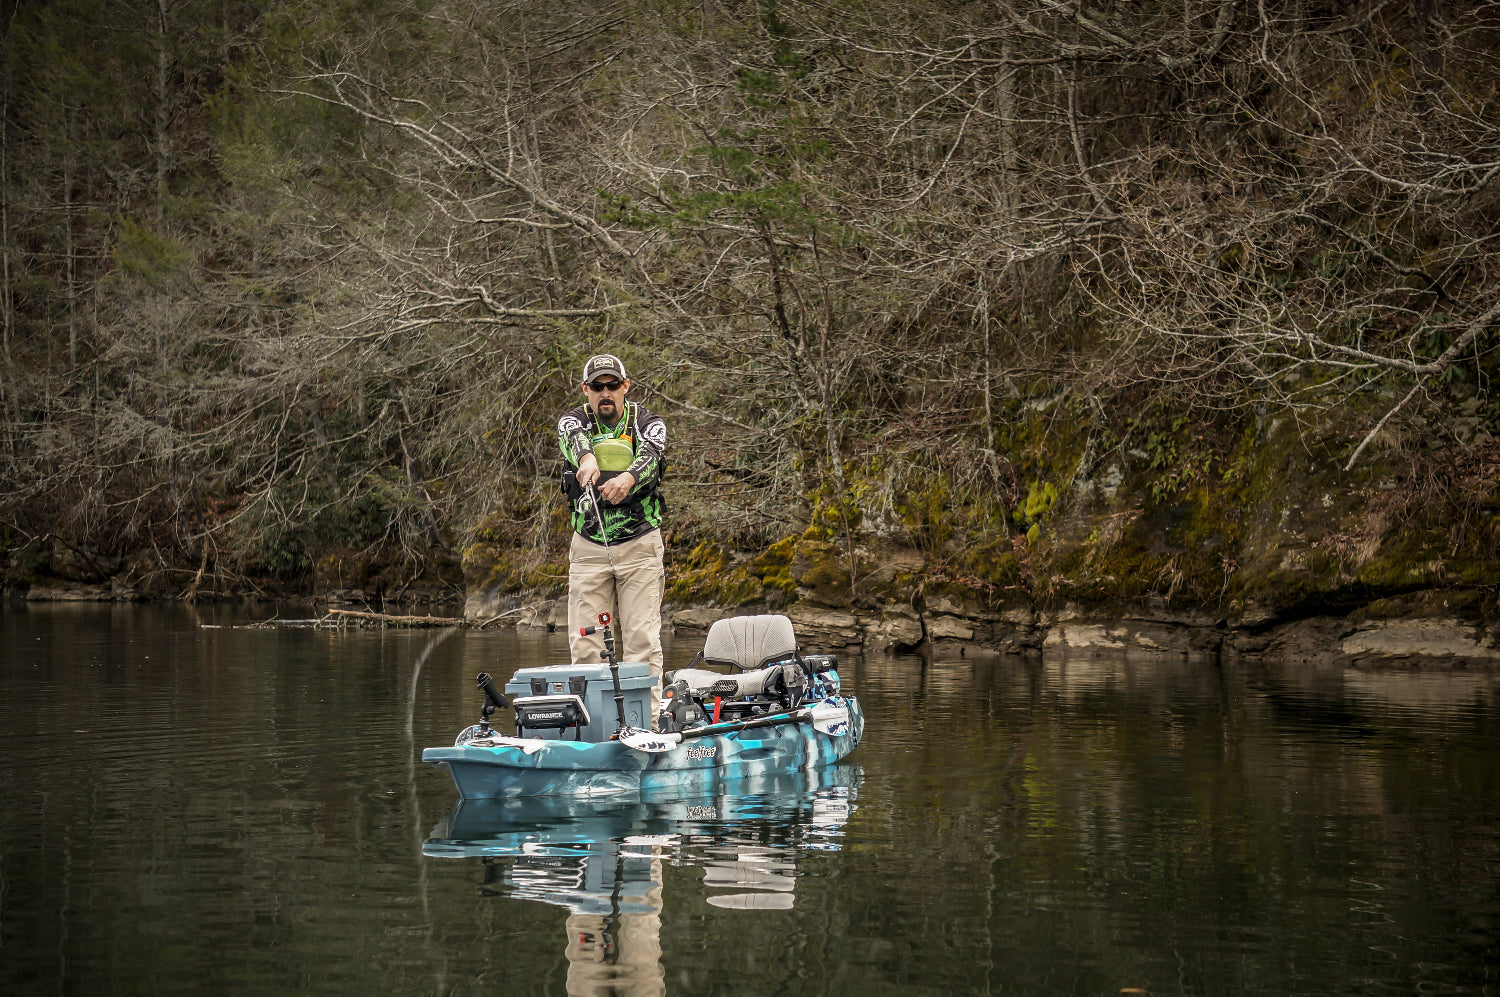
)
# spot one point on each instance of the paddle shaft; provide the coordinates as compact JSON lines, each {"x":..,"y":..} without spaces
{"x":775,"y":720}
{"x":834,"y":722}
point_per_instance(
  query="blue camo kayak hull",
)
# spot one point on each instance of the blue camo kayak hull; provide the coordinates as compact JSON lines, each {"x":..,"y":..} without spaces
{"x":546,"y":767}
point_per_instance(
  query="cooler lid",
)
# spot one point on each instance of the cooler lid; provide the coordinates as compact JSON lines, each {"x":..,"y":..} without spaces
{"x":593,"y":671}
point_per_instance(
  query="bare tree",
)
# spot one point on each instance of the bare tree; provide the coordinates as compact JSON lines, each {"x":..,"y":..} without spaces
{"x":855,"y":249}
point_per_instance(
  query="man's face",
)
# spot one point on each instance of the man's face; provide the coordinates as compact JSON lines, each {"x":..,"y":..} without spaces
{"x":605,"y":394}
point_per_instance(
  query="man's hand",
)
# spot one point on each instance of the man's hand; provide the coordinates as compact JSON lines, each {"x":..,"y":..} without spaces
{"x":615,"y":489}
{"x":588,"y":471}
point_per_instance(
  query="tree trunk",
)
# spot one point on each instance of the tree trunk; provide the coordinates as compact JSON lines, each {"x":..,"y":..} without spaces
{"x":162,"y":105}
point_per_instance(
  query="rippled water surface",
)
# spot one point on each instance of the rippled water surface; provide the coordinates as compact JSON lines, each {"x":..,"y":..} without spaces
{"x":192,"y":806}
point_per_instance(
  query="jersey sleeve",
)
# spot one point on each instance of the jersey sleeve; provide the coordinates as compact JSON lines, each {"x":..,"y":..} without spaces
{"x":573,"y":437}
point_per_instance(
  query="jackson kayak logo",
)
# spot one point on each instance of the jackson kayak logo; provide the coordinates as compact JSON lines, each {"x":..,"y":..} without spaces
{"x":702,"y":751}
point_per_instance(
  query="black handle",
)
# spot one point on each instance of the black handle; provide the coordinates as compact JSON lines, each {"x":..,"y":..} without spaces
{"x":492,"y":698}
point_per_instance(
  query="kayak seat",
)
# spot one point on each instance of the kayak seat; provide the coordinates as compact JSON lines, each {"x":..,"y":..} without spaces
{"x":765,"y":669}
{"x":750,"y":642}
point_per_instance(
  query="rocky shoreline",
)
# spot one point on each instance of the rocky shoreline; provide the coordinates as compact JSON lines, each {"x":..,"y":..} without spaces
{"x":1320,"y":640}
{"x":1358,"y":639}
{"x":1353,"y":640}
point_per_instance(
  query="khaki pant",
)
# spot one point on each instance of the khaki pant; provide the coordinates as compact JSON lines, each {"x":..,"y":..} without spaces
{"x":625,"y":580}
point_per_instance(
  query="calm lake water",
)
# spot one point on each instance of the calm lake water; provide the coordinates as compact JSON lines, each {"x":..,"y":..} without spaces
{"x":195,"y":807}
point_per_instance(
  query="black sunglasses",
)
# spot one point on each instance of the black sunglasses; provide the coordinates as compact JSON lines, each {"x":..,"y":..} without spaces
{"x":604,"y":385}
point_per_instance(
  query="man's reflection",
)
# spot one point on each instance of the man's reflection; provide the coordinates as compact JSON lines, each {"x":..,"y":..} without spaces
{"x":619,"y":953}
{"x":603,"y":861}
{"x":612,"y":890}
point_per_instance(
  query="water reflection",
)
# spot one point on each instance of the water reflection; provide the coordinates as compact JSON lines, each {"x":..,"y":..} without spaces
{"x":192,"y":809}
{"x":602,"y":860}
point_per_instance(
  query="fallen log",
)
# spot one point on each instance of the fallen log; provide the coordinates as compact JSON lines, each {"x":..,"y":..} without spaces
{"x":397,"y":621}
{"x":494,"y":619}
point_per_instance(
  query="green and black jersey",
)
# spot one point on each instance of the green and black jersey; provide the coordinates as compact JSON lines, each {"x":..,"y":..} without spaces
{"x":577,"y":432}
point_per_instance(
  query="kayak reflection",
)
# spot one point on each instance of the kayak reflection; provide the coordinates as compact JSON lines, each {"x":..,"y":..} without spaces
{"x":601,"y":859}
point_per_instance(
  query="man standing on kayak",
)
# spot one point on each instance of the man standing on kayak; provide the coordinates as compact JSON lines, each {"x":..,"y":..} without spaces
{"x":613,"y":450}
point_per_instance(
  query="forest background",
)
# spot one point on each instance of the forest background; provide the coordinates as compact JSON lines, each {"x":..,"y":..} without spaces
{"x":959,"y":313}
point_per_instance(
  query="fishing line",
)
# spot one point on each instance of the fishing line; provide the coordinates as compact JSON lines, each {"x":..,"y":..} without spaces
{"x":411,"y":770}
{"x":416,"y":672}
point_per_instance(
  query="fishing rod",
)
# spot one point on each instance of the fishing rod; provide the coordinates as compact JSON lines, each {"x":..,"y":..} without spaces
{"x":604,"y":620}
{"x":596,"y":502}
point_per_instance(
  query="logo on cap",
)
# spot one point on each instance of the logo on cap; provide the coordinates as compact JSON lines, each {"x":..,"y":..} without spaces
{"x":604,"y":363}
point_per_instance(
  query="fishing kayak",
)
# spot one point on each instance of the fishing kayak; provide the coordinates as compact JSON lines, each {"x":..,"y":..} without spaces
{"x":759,"y":707}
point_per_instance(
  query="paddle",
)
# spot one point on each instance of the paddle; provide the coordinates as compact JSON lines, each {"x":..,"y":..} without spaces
{"x":826,"y":719}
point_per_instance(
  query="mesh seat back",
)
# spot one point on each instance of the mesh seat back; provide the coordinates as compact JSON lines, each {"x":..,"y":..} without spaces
{"x":749,"y":642}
